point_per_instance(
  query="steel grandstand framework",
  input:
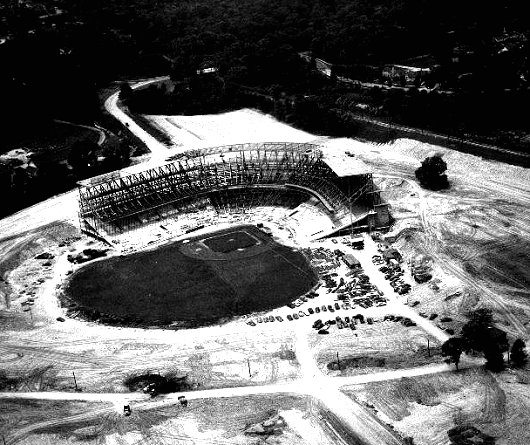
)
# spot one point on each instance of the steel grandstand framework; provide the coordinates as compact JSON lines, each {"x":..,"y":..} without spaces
{"x":123,"y":203}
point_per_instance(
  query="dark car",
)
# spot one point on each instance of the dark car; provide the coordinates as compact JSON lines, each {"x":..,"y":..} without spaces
{"x":323,"y":331}
{"x":295,"y":316}
{"x":317,"y":310}
{"x":127,"y":410}
{"x":324,"y":308}
{"x":279,"y":318}
{"x":311,"y":311}
{"x":290,"y":317}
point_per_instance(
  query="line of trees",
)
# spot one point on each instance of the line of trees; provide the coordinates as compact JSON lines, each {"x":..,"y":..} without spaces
{"x":479,"y":335}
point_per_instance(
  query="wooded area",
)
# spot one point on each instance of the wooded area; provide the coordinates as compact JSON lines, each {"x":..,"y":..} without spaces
{"x":223,"y":54}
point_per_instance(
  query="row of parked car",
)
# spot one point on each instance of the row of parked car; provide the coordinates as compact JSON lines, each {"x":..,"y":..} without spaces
{"x":360,"y":292}
{"x":300,"y":314}
{"x":394,"y":273}
{"x":398,"y":318}
{"x":347,"y":322}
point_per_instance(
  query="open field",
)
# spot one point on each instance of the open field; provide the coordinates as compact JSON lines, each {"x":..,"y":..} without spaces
{"x":234,"y":127}
{"x":171,"y":284}
{"x":470,"y":397}
{"x":280,"y":420}
{"x":378,"y":347}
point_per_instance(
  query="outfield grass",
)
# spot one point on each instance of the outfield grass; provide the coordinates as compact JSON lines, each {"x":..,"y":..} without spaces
{"x":167,"y":285}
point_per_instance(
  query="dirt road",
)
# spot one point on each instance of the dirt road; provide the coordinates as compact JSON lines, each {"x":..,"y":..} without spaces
{"x":111,"y":105}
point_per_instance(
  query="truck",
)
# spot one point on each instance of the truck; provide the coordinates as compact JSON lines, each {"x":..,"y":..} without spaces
{"x":351,"y":261}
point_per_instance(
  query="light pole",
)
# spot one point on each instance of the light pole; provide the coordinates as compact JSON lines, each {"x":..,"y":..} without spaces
{"x":75,"y":382}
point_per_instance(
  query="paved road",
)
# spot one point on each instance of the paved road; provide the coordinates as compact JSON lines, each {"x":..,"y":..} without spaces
{"x":102,"y":135}
{"x":111,"y":105}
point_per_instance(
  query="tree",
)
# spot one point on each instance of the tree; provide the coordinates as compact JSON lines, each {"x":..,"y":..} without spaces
{"x":480,"y":335}
{"x":474,"y":331}
{"x":453,"y":349}
{"x":117,"y":154}
{"x":494,"y":357}
{"x":83,"y":156}
{"x":431,"y":173}
{"x":126,"y":92}
{"x":518,"y":355}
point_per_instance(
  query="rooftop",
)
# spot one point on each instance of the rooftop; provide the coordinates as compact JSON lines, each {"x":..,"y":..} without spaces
{"x":347,"y":166}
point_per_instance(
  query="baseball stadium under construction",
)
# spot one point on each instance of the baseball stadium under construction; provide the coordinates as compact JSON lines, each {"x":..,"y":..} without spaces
{"x":234,"y":176}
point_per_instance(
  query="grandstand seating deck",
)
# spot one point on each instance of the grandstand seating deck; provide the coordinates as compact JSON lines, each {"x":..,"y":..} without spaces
{"x":123,"y":202}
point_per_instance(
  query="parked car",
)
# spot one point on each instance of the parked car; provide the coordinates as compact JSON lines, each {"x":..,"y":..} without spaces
{"x":290,"y":317}
{"x":127,"y":410}
{"x":324,"y":308}
{"x":311,"y":311}
{"x":279,"y":318}
{"x":317,"y":310}
{"x":337,"y":307}
{"x":295,"y":316}
{"x":301,"y":313}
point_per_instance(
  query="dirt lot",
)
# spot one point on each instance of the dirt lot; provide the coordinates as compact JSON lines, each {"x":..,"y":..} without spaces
{"x":25,"y":416}
{"x":235,"y":127}
{"x":382,"y":346}
{"x":427,"y":407}
{"x":276,"y":420}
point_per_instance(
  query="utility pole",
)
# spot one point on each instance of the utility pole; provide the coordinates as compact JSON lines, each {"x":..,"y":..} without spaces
{"x":4,"y":439}
{"x":338,"y":361}
{"x":428,"y":347}
{"x":75,"y":381}
{"x":249,"y":373}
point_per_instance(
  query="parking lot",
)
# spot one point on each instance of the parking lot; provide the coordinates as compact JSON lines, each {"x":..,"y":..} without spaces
{"x":346,"y":287}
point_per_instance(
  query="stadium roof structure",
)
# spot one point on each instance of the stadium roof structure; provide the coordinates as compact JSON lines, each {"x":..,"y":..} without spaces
{"x":347,"y":167}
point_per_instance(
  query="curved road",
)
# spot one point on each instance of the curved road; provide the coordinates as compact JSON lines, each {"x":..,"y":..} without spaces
{"x":111,"y":105}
